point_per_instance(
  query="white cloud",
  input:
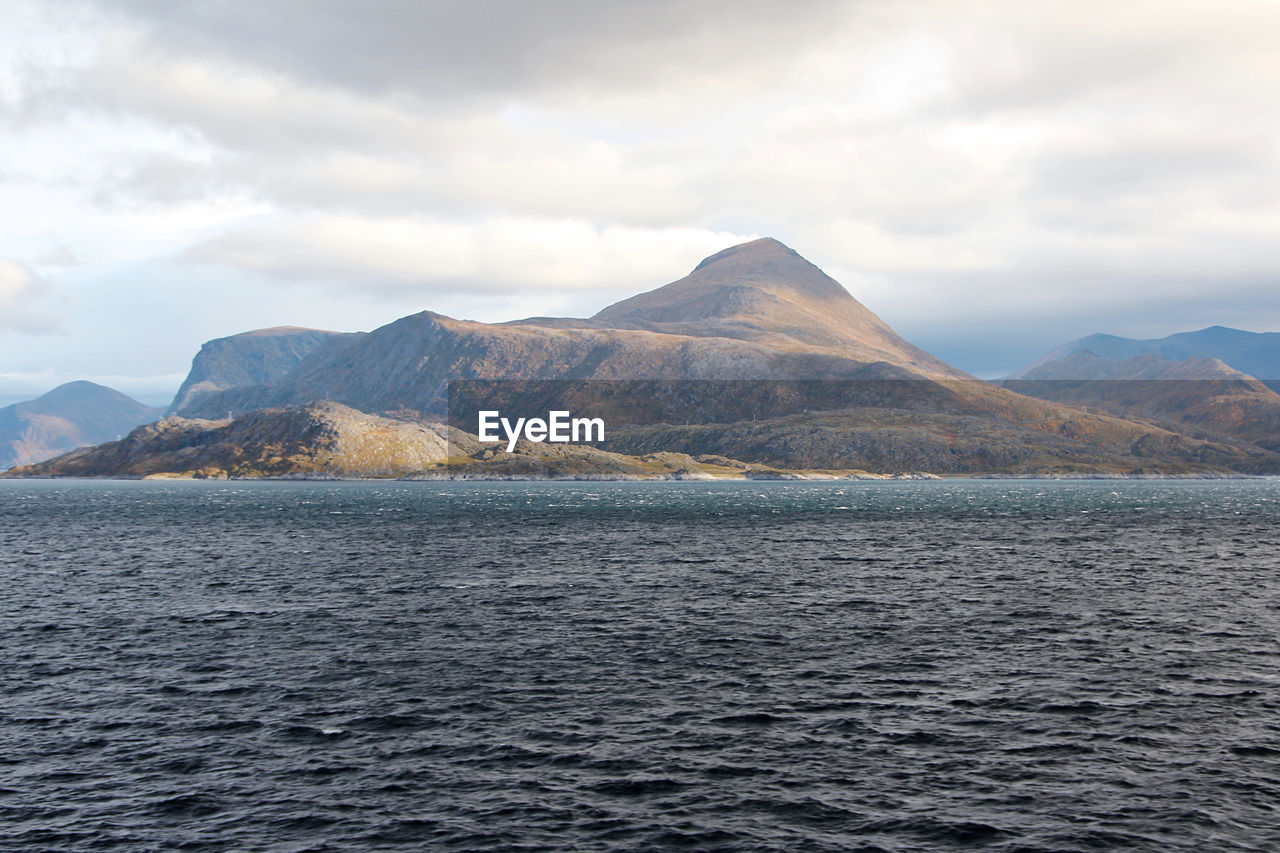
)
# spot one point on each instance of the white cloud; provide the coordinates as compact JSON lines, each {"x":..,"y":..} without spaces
{"x":23,"y":299}
{"x":395,"y":255}
{"x":974,"y":162}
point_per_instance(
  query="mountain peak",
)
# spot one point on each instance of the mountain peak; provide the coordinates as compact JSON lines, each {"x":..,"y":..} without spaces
{"x":766,"y":292}
{"x":756,"y":250}
{"x":751,"y":283}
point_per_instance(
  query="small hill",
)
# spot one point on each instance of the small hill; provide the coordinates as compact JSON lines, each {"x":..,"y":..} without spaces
{"x":70,"y":416}
{"x":321,"y":439}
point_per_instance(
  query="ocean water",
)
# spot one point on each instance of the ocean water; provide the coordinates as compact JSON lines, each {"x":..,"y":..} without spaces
{"x":1011,"y":666}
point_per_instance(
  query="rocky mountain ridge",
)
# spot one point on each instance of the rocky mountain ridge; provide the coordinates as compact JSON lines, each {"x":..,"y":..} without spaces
{"x":328,"y":440}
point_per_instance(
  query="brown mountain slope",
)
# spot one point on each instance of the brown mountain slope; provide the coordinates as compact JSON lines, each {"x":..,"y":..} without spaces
{"x":327,"y":439}
{"x":767,"y":293}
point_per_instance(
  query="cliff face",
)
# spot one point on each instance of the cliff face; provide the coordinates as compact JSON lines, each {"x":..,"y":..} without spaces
{"x":69,"y":416}
{"x":260,"y":357}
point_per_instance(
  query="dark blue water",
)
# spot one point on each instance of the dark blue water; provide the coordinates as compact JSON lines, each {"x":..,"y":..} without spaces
{"x":1016,"y":666}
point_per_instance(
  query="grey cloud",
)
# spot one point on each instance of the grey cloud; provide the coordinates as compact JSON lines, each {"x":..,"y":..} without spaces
{"x":452,"y":50}
{"x":1062,"y":55}
{"x":1121,"y":165}
{"x":996,"y":323}
{"x":157,"y":179}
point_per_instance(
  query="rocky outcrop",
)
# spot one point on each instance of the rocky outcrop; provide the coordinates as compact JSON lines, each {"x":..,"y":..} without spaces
{"x":331,"y":440}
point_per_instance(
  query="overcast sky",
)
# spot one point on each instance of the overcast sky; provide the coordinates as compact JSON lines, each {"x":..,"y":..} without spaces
{"x":992,"y":178}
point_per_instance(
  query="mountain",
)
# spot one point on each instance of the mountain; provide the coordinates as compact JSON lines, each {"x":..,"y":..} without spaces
{"x":69,"y":416}
{"x":755,"y":311}
{"x":766,"y":293}
{"x":1027,"y":439}
{"x":259,"y":357}
{"x":1254,"y":353}
{"x":1086,"y":365}
{"x":1202,"y":397}
{"x":755,"y":355}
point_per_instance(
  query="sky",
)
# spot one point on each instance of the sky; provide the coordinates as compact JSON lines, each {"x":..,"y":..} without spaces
{"x":993,"y":178}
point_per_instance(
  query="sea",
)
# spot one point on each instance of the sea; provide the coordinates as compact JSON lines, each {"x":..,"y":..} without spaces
{"x":554,"y":666}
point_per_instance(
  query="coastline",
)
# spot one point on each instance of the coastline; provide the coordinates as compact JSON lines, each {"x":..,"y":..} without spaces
{"x":789,"y":477}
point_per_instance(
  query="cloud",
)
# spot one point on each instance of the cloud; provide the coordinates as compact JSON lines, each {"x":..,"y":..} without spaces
{"x":500,"y":256}
{"x":971,"y":162}
{"x":23,"y":295}
{"x":494,"y":48}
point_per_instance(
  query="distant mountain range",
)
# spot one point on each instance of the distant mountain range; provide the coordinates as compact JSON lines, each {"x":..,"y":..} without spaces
{"x":1204,"y":383}
{"x":69,"y":416}
{"x":756,"y":358}
{"x":1254,"y":353}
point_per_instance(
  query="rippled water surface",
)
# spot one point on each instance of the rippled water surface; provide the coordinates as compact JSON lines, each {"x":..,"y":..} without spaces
{"x":1019,"y":666}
